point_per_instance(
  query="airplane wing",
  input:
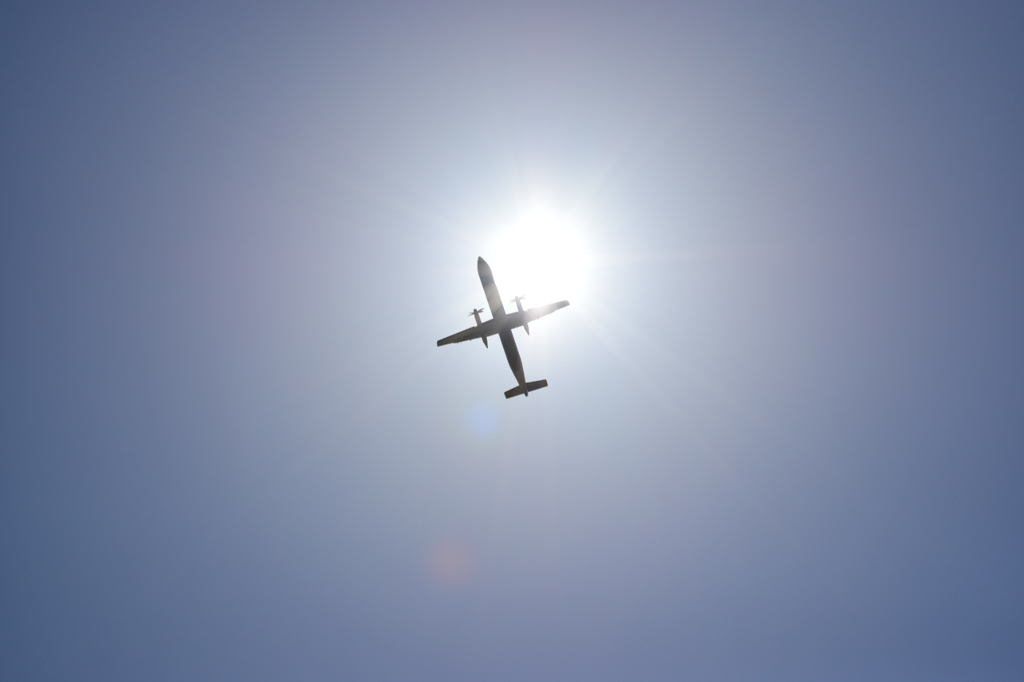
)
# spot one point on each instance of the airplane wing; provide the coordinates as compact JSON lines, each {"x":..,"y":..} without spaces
{"x":532,"y":314}
{"x":465,"y":335}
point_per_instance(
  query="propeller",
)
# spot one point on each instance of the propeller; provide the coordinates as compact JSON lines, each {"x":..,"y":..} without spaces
{"x":476,"y":313}
{"x":519,"y":305}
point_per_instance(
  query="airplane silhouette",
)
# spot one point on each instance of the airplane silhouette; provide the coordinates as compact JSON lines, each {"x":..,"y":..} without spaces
{"x":502,"y":324}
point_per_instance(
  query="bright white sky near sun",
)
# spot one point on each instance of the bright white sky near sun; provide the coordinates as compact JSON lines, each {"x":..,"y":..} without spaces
{"x":541,"y":253}
{"x":783,"y":430}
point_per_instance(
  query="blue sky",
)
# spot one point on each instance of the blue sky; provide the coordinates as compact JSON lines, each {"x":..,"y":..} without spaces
{"x":784,"y":429}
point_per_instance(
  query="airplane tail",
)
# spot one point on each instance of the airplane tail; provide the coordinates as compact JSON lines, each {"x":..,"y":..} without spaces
{"x":524,"y":389}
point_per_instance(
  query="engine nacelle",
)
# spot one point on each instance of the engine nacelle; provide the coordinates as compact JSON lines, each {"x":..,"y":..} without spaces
{"x":476,"y":315}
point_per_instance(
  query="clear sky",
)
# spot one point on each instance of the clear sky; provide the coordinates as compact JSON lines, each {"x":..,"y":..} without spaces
{"x":784,"y":433}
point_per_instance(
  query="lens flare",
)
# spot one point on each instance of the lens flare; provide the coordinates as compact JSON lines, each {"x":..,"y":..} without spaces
{"x":451,"y":563}
{"x":482,"y":421}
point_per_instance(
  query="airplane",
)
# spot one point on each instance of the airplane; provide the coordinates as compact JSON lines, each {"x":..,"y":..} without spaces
{"x":502,"y":324}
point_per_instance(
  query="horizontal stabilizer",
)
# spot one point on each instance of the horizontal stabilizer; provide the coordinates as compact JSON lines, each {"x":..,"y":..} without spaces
{"x":524,"y":389}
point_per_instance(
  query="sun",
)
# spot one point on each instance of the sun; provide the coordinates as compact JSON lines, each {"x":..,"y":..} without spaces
{"x":541,"y":255}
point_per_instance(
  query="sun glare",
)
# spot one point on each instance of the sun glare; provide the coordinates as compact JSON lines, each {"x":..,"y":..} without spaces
{"x":539,"y":255}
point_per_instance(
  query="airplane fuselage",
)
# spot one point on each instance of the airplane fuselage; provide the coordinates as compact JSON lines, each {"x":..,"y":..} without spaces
{"x":504,"y":321}
{"x":502,"y":324}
